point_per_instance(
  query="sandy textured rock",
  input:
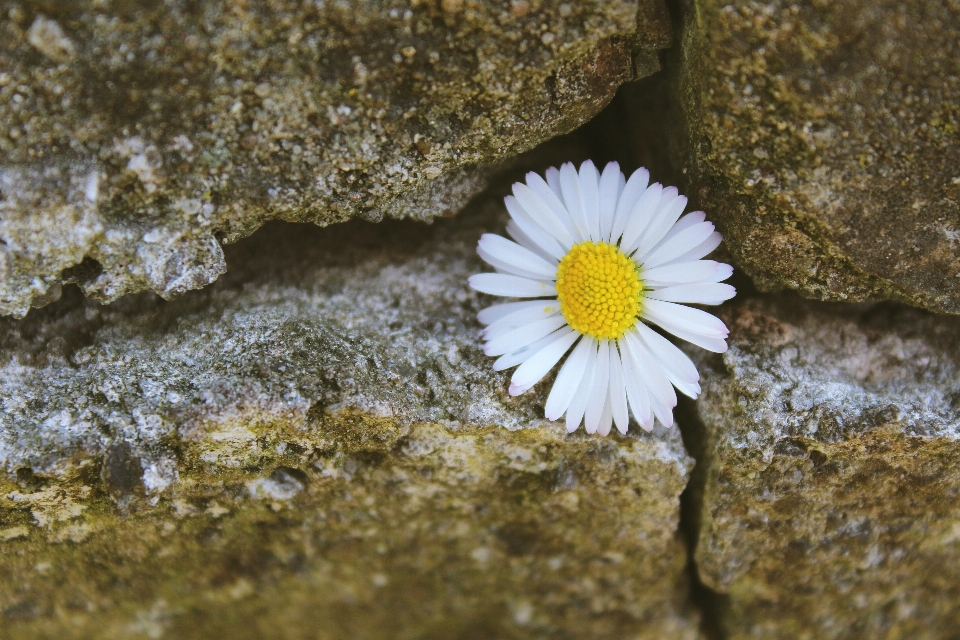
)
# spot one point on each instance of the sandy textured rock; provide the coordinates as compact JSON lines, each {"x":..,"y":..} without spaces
{"x":136,"y":136}
{"x":824,"y":138}
{"x":832,"y":502}
{"x":315,"y":447}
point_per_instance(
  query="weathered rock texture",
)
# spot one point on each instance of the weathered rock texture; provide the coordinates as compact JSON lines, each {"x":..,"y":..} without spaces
{"x":135,"y":136}
{"x":824,"y":138}
{"x":315,"y":447}
{"x":832,"y":502}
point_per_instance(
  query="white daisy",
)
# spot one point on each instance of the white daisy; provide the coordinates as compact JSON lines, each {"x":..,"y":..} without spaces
{"x":603,"y":256}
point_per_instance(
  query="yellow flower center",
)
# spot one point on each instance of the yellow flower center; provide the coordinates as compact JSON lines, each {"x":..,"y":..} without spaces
{"x":599,"y":289}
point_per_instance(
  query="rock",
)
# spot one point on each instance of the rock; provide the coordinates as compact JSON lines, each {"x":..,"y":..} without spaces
{"x":136,"y":138}
{"x":325,"y":452}
{"x":824,"y":139}
{"x":831,"y":506}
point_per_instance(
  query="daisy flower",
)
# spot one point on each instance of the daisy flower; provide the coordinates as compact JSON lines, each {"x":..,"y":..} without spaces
{"x":603,"y":257}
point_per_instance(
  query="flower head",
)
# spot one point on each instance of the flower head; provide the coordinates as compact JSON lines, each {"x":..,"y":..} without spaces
{"x":601,"y":257}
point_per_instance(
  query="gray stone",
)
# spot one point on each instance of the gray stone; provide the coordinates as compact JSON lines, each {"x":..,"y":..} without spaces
{"x":831,"y":507}
{"x":324,"y":452}
{"x":136,"y":137}
{"x":824,"y":139}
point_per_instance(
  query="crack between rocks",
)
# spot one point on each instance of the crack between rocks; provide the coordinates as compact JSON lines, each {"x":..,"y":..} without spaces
{"x":710,"y":602}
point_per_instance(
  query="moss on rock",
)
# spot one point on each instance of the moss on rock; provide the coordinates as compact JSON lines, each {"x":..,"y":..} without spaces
{"x":323,"y":452}
{"x":137,"y":136}
{"x":824,"y":139}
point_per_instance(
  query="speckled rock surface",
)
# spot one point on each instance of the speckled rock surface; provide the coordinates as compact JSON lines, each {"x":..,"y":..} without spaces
{"x":315,"y":447}
{"x":824,"y":139}
{"x":135,"y":136}
{"x":832,"y":502}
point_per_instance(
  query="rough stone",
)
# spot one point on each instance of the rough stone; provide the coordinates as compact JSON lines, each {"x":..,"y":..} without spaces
{"x":824,"y":138}
{"x":324,"y":452}
{"x":831,"y":506}
{"x":137,"y":136}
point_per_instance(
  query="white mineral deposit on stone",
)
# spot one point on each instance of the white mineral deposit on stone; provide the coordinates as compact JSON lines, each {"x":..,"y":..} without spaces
{"x":48,"y":37}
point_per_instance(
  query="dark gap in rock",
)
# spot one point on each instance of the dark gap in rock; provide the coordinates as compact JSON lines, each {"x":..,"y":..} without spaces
{"x":694,"y":433}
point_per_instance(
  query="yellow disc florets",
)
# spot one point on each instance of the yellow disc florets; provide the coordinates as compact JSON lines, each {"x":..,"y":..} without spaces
{"x":599,"y":289}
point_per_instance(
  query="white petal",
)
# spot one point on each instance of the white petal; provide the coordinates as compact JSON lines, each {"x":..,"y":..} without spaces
{"x":640,"y":216}
{"x":660,"y":224}
{"x":522,"y":336}
{"x":578,"y":403}
{"x":503,"y":267}
{"x":713,"y":343}
{"x":542,"y":214}
{"x":571,"y":373}
{"x":570,"y":186}
{"x":521,"y":318}
{"x":606,"y":418}
{"x":532,"y":230}
{"x":636,"y":390}
{"x":498,"y":284}
{"x":678,"y":368}
{"x":702,"y":249}
{"x":609,"y":188}
{"x":683,"y":317}
{"x":598,"y":392}
{"x":678,"y":245}
{"x":519,"y":356}
{"x":660,"y":392}
{"x":618,"y":392}
{"x":590,"y":192}
{"x":686,"y":272}
{"x":540,"y":187}
{"x":695,"y":293}
{"x":553,"y":180}
{"x":524,"y":241}
{"x":512,"y":254}
{"x":497,"y":312}
{"x":685,"y":222}
{"x":538,"y":365}
{"x":631,"y":192}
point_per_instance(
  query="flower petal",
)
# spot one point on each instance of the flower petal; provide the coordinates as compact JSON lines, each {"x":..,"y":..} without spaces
{"x":538,"y":365}
{"x":499,"y":284}
{"x":521,"y":318}
{"x":678,"y":368}
{"x":497,"y":312}
{"x":571,"y":373}
{"x":671,"y":206}
{"x":695,"y":293}
{"x":516,"y":257}
{"x":618,"y":392}
{"x":598,"y":391}
{"x":687,"y":272}
{"x":609,"y":189}
{"x":606,"y":418}
{"x":661,"y":394}
{"x":702,"y":249}
{"x":635,"y":187}
{"x":524,"y":241}
{"x":636,"y":390}
{"x":590,"y":193}
{"x":532,"y":230}
{"x":678,"y":245}
{"x":640,"y":217}
{"x":570,"y":187}
{"x":540,"y":187}
{"x":519,"y":356}
{"x":543,"y":215}
{"x":553,"y":180}
{"x":522,"y":336}
{"x":686,"y":318}
{"x":578,"y":403}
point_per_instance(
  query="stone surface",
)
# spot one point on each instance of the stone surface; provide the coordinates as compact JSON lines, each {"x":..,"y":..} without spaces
{"x":824,"y":139}
{"x":831,"y":507}
{"x":136,"y":136}
{"x":315,"y":447}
